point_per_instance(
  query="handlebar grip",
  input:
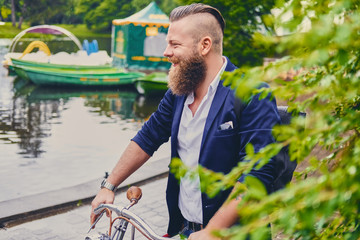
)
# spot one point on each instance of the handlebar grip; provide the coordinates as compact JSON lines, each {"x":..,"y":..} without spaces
{"x":134,"y":194}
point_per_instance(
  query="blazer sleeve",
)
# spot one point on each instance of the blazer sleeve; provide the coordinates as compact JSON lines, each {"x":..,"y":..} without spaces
{"x":256,"y":122}
{"x":157,"y":129}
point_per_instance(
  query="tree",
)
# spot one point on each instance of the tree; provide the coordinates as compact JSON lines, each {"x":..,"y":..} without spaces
{"x":243,"y":19}
{"x":23,"y":12}
{"x":165,"y":5}
{"x":16,"y":10}
{"x":99,"y":14}
{"x":41,"y":12}
{"x":13,"y":16}
{"x":69,"y":16}
{"x":5,"y":10}
{"x":324,"y":65}
{"x":85,"y":7}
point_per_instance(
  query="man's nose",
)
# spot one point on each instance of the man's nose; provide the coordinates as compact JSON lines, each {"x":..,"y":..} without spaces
{"x":167,"y":52}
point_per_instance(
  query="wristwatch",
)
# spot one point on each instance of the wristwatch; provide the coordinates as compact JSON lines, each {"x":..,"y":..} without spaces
{"x":107,"y":185}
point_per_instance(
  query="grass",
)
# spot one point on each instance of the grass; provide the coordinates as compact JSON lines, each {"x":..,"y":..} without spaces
{"x":8,"y":31}
{"x":79,"y":30}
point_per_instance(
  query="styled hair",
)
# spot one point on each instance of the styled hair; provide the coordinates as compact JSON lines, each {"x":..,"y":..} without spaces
{"x":195,"y":8}
{"x":211,"y":16}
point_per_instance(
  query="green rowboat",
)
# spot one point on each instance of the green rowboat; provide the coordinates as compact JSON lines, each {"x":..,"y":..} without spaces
{"x":83,"y":77}
{"x":26,"y":63}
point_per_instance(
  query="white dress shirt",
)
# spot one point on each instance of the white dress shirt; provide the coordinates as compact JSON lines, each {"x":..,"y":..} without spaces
{"x":189,"y":141}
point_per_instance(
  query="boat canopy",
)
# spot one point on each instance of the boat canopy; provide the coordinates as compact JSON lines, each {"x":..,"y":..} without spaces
{"x":139,"y":41}
{"x":149,"y":16}
{"x":46,"y":29}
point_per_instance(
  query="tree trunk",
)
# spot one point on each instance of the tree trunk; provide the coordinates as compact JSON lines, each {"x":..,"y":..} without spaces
{"x":13,"y":13}
{"x":23,"y":10}
{"x":21,"y":19}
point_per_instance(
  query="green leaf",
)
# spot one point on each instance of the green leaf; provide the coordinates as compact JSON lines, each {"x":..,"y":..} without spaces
{"x":256,"y":188}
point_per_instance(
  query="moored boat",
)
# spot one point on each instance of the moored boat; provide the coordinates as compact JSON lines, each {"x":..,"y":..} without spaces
{"x":154,"y":83}
{"x":27,"y":63}
{"x":46,"y":58}
{"x":84,"y":77}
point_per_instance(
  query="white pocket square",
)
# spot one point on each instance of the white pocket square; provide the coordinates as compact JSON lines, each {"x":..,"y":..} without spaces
{"x":226,"y":125}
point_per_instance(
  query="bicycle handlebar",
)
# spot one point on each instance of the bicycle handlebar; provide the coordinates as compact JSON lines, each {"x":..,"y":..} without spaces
{"x":111,"y":207}
{"x":133,"y":218}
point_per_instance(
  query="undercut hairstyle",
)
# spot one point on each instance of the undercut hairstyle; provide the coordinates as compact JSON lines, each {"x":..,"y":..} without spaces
{"x":212,"y":23}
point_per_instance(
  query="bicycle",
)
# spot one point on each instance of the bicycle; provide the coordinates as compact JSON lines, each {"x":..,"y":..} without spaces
{"x":124,"y":217}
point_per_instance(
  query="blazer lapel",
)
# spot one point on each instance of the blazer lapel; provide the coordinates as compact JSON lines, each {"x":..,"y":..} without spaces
{"x":216,"y":105}
{"x":179,"y":105}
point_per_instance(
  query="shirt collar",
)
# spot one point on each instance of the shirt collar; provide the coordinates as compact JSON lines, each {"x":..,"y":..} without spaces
{"x":214,"y":84}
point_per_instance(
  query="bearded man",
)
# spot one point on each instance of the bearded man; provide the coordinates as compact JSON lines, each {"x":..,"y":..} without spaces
{"x":198,"y":113}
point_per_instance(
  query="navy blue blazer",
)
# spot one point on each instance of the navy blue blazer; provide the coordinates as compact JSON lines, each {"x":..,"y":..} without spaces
{"x":221,"y":150}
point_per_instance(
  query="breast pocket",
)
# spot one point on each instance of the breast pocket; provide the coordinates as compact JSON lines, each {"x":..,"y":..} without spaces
{"x":225,"y":132}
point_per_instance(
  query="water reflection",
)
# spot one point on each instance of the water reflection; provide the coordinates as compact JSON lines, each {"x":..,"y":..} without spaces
{"x":52,"y":138}
{"x":27,"y":123}
{"x":35,"y":109}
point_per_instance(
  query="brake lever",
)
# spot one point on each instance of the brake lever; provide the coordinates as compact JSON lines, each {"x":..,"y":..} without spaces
{"x":96,"y":221}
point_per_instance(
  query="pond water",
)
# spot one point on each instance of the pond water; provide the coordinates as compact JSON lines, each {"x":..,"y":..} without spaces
{"x":52,"y":138}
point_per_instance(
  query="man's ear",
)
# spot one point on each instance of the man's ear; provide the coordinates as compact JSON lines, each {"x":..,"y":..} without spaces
{"x":206,"y":44}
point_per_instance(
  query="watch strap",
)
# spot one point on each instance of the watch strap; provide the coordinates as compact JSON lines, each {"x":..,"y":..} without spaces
{"x":107,"y":185}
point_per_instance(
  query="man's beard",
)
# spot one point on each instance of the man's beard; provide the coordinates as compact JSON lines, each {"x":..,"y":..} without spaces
{"x":186,"y":77}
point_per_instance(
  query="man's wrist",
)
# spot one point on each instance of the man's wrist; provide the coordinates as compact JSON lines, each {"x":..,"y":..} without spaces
{"x":107,"y":185}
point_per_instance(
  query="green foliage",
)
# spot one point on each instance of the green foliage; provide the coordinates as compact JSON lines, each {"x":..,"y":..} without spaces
{"x":80,"y":30}
{"x":69,"y":16}
{"x":243,"y":19}
{"x":37,"y":12}
{"x":8,"y":31}
{"x":5,"y":12}
{"x":41,"y":11}
{"x":324,"y":68}
{"x":96,"y":14}
{"x":165,"y":5}
{"x":99,"y":14}
{"x":79,"y":203}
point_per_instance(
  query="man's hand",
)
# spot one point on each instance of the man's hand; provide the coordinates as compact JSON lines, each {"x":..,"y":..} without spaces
{"x":132,"y":158}
{"x":104,"y":196}
{"x":203,"y":235}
